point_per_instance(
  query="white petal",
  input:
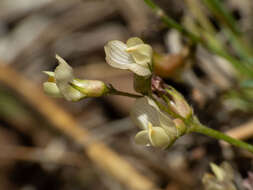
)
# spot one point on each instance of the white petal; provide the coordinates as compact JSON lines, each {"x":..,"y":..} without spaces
{"x":139,"y":70}
{"x":164,"y":119}
{"x":49,"y":73}
{"x":116,"y":54}
{"x":72,"y":94}
{"x":141,"y":53}
{"x":167,"y":124}
{"x":158,"y":137}
{"x":51,"y":89}
{"x":134,"y":41}
{"x":64,"y":75}
{"x":142,"y":113}
{"x":142,"y":138}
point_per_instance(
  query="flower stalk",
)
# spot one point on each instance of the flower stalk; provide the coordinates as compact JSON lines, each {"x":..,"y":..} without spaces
{"x":114,"y":91}
{"x":199,"y":128}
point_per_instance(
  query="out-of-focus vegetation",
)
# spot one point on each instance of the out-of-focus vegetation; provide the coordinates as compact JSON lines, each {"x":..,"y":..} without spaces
{"x":53,"y":144}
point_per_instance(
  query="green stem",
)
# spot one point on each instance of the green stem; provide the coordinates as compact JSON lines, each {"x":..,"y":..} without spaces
{"x":120,"y":93}
{"x":196,"y":39}
{"x":223,"y":14}
{"x":199,"y":128}
{"x":171,"y":22}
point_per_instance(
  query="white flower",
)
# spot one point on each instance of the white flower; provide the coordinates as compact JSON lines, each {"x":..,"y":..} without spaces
{"x":61,"y":83}
{"x":58,"y":84}
{"x":158,"y":128}
{"x":134,"y":55}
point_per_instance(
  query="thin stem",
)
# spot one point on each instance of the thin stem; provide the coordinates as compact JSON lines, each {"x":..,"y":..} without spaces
{"x":120,"y":93}
{"x":223,"y":14}
{"x":199,"y":128}
{"x":171,"y":23}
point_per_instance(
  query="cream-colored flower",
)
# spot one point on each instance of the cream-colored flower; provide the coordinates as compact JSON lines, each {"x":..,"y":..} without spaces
{"x":134,"y":55}
{"x":61,"y":83}
{"x":158,"y":128}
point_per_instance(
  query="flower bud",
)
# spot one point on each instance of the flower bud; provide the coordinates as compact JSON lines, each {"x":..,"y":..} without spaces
{"x":180,"y":126}
{"x":90,"y":88}
{"x":178,"y":104}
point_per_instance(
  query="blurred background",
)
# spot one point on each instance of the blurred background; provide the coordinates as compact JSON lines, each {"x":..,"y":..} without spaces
{"x":48,"y":143}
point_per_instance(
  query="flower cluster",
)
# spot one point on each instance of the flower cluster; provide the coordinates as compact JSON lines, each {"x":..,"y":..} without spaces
{"x":159,"y":127}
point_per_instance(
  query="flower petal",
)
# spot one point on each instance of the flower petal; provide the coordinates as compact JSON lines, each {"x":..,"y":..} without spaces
{"x":141,"y":53}
{"x":51,"y":89}
{"x":49,"y":73}
{"x":158,"y":137}
{"x":139,"y":70}
{"x":142,"y":113}
{"x":167,"y":124}
{"x":116,"y":54}
{"x":72,"y":94}
{"x":142,"y":138}
{"x":134,"y":41}
{"x":64,"y":75}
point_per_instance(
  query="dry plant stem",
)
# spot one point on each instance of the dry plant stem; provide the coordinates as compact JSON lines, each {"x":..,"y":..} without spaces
{"x":199,"y":128}
{"x":32,"y":154}
{"x":105,"y":158}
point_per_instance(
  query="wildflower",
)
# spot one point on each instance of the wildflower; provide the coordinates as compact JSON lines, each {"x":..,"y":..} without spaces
{"x":221,"y":180}
{"x":134,"y":56}
{"x":158,"y":129}
{"x":61,"y":83}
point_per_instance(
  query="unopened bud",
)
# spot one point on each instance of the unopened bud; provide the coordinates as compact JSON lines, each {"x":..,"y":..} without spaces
{"x":178,"y":104}
{"x":90,"y":88}
{"x":180,"y":126}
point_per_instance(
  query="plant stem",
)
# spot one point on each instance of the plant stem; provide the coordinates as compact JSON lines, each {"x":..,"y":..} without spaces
{"x":196,"y":39}
{"x":171,"y":22}
{"x":120,"y":93}
{"x":199,"y":128}
{"x":223,"y":14}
